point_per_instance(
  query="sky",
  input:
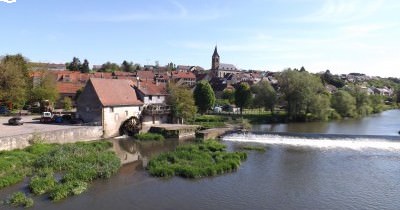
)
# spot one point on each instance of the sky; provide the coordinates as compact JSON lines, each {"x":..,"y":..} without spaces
{"x":343,"y":36}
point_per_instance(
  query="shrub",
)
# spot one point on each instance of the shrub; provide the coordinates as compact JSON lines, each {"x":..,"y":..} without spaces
{"x":77,"y":163}
{"x":41,"y":184}
{"x":63,"y":190}
{"x":14,"y":166}
{"x":149,"y":137}
{"x":208,"y":158}
{"x":20,"y":199}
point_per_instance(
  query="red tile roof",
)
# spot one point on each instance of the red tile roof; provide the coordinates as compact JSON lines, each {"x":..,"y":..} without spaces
{"x":115,"y":92}
{"x":68,"y":88}
{"x":145,"y":75}
{"x":152,"y":88}
{"x":183,"y":75}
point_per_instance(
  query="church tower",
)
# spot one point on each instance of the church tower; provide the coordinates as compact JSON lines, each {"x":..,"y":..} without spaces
{"x":215,"y":59}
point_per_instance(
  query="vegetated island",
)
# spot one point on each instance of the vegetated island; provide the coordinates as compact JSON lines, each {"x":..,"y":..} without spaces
{"x":207,"y":158}
{"x":57,"y":170}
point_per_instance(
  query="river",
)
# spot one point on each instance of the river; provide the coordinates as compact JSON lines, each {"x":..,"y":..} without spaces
{"x":357,"y":168}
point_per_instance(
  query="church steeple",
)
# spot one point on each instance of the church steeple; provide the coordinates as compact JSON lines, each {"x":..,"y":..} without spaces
{"x":215,"y":59}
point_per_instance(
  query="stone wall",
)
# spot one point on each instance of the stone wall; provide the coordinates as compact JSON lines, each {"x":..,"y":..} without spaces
{"x":82,"y":133}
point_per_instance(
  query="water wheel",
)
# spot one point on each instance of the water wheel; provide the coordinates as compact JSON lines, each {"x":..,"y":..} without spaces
{"x":130,"y":127}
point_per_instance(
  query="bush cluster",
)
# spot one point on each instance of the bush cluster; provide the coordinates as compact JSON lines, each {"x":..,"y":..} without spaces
{"x":20,"y":199}
{"x":77,"y":164}
{"x":203,"y":159}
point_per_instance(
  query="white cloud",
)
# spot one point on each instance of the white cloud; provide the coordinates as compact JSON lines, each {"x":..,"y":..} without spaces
{"x":8,"y":1}
{"x":343,"y":11}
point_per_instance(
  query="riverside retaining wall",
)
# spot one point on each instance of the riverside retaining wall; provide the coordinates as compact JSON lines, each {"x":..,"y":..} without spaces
{"x":71,"y":135}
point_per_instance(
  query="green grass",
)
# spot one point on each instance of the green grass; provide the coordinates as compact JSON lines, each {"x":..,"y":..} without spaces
{"x":76,"y":164}
{"x":14,"y":166}
{"x":19,"y":199}
{"x":210,"y":121}
{"x":149,"y":137}
{"x":196,"y":160}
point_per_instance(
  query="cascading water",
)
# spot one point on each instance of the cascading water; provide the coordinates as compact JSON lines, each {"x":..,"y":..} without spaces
{"x":325,"y":141}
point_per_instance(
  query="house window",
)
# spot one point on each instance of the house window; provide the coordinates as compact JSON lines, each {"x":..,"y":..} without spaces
{"x":111,"y":109}
{"x":116,"y":116}
{"x":126,"y":113}
{"x":158,"y":97}
{"x":150,"y":98}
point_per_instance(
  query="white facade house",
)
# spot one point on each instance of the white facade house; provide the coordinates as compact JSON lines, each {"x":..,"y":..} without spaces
{"x":154,"y":96}
{"x":109,"y":102}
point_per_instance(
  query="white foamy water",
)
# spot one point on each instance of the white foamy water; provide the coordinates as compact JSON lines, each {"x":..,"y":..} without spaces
{"x":326,"y":143}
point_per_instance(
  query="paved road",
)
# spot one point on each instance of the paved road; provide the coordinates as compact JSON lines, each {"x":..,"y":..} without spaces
{"x":29,"y":126}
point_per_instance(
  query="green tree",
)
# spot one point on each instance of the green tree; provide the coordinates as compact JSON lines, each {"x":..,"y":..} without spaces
{"x":204,"y":96}
{"x":84,"y":68}
{"x":320,"y":108}
{"x":14,"y":80}
{"x":75,"y":65}
{"x":299,"y":89}
{"x":334,"y":80}
{"x":171,"y":66}
{"x":45,"y":89}
{"x":67,"y":103}
{"x":265,"y":96}
{"x":362,"y":101}
{"x":242,"y":96}
{"x":127,"y":66}
{"x":229,"y":95}
{"x":377,"y":103}
{"x":109,"y":67}
{"x":344,"y":103}
{"x":182,"y":102}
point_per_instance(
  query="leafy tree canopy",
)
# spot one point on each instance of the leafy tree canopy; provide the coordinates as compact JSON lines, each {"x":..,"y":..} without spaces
{"x":204,"y":96}
{"x":242,"y":96}
{"x":14,"y":80}
{"x":182,"y":102}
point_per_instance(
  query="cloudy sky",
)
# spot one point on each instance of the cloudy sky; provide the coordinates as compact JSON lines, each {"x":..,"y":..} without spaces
{"x":341,"y":35}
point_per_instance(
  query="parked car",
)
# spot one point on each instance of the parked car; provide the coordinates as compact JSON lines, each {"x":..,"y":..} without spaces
{"x":15,"y":121}
{"x":57,"y":118}
{"x":47,"y":117}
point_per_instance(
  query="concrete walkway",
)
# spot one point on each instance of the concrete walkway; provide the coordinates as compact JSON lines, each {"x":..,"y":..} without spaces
{"x":29,"y":126}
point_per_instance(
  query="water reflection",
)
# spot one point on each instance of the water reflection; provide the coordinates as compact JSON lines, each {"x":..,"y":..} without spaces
{"x":130,"y":150}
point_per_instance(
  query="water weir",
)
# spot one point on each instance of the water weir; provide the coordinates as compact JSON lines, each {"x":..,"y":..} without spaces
{"x":324,"y":141}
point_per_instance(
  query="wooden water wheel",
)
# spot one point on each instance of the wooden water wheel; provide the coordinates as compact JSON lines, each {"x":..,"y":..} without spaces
{"x":130,"y":127}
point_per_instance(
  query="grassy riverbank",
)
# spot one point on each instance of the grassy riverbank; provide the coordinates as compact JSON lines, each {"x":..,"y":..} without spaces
{"x":149,"y":137}
{"x":58,"y":170}
{"x":208,"y":158}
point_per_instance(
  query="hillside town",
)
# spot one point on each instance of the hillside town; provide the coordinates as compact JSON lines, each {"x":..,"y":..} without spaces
{"x":110,"y":97}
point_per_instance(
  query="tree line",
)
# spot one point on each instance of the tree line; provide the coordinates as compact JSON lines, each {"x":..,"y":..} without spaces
{"x":302,"y":95}
{"x":17,"y":86}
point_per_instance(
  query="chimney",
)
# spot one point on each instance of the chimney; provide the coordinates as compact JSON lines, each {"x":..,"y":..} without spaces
{"x":138,"y":82}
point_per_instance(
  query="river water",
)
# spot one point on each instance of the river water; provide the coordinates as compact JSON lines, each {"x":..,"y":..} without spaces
{"x":358,"y":168}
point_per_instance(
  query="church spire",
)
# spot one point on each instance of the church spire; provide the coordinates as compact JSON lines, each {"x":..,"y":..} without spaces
{"x":215,"y":51}
{"x":215,"y":59}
